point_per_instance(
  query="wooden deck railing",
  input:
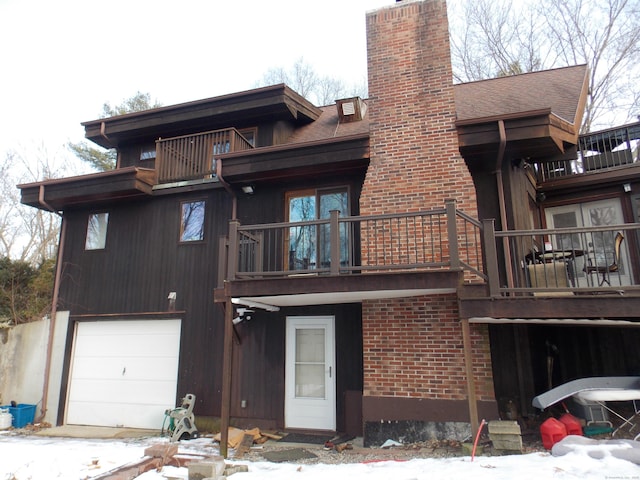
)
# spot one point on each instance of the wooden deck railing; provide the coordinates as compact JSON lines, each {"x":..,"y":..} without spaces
{"x":563,"y":261}
{"x":193,"y":156}
{"x":596,"y":152}
{"x":429,"y":240}
{"x":518,"y":262}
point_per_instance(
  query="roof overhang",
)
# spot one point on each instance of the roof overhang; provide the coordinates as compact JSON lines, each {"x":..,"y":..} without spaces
{"x":337,"y":155}
{"x":536,"y":134}
{"x":247,"y":108}
{"x":59,"y":194}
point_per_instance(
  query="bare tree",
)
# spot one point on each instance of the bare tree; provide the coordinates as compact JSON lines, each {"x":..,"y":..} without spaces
{"x":498,"y":37}
{"x":321,"y":90}
{"x":26,"y":233}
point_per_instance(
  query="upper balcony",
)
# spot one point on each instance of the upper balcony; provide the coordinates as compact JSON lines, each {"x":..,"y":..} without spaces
{"x":440,"y":250}
{"x":191,"y":157}
{"x":596,"y":153}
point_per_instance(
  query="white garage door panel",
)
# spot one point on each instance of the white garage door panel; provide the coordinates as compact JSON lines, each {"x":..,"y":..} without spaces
{"x":124,"y":373}
{"x":112,"y":391}
{"x":112,"y":415}
{"x":136,"y":344}
{"x":129,"y":368}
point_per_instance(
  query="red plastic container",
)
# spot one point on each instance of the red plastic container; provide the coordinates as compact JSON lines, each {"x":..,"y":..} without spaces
{"x":572,"y":424}
{"x":552,"y":431}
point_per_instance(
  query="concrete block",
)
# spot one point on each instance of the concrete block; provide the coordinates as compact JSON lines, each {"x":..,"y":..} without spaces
{"x":211,"y":468}
{"x":505,"y":436}
{"x":161,"y":450}
{"x":504,"y":426}
{"x":231,"y":469}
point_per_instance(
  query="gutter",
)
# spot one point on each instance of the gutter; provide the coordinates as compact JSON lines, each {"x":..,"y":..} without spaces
{"x":54,"y":306}
{"x":227,"y":187}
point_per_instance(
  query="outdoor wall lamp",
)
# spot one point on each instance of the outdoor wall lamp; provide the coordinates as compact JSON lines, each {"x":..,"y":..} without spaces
{"x":248,"y":189}
{"x":627,"y":187}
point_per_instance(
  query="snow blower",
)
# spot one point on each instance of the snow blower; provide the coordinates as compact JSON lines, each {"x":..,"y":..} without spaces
{"x":182,"y":425}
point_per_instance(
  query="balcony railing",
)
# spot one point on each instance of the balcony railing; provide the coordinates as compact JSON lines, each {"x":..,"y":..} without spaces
{"x":568,"y":261}
{"x":596,"y":152}
{"x":563,"y":261}
{"x":429,"y":240}
{"x":193,"y":156}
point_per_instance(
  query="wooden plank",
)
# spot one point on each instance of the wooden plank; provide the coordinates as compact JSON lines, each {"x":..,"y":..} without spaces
{"x":244,"y":446}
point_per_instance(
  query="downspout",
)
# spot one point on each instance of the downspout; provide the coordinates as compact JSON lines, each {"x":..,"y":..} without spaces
{"x":227,"y":187}
{"x":501,"y":202}
{"x":54,"y":306}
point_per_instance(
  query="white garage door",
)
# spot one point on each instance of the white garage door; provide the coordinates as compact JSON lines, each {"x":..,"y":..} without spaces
{"x":123,"y":373}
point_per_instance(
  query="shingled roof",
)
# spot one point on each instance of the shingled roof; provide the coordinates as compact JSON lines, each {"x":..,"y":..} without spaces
{"x":558,"y":90}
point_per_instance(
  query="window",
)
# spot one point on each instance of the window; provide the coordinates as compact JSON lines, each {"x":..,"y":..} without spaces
{"x":192,"y":221}
{"x":250,"y":135}
{"x":148,"y":153}
{"x":96,"y":231}
{"x":309,"y":245}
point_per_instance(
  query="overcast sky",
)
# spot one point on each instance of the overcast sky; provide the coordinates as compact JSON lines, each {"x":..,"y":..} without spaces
{"x":62,"y":59}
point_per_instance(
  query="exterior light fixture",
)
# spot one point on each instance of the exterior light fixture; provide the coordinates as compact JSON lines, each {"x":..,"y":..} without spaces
{"x":627,"y":187}
{"x":248,"y":189}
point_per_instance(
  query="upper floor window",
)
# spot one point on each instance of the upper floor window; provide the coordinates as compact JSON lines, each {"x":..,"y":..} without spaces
{"x":249,"y":134}
{"x":192,"y":221}
{"x":148,"y":154}
{"x":96,"y":231}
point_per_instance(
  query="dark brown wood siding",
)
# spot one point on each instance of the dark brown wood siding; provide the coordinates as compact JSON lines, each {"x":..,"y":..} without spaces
{"x":143,"y":261}
{"x":259,"y":363}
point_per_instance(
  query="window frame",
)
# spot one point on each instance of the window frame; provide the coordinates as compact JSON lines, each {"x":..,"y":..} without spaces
{"x":181,"y":216}
{"x":98,"y":240}
{"x":318,"y":234}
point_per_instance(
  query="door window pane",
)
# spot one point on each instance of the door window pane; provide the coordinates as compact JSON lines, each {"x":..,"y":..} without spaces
{"x":302,"y":239}
{"x":309,"y":246}
{"x":192,"y":221}
{"x":96,"y":231}
{"x":328,"y":202}
{"x":310,"y":353}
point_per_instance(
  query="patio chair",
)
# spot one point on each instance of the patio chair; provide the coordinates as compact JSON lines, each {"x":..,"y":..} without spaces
{"x":606,"y":270}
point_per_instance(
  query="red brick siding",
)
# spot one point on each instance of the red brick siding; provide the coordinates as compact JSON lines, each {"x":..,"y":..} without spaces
{"x":415,"y":162}
{"x":413,"y":347}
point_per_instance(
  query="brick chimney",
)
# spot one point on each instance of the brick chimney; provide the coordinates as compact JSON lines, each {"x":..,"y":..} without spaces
{"x":414,"y":373}
{"x":415,"y":162}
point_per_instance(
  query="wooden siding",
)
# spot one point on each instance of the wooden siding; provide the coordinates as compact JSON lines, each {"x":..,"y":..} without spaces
{"x":142,"y":262}
{"x":259,"y":363}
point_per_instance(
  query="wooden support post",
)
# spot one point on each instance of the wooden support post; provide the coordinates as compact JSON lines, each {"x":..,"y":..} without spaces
{"x":226,"y":378}
{"x":471,"y":384}
{"x":452,"y":234}
{"x":334,"y":235}
{"x":491,"y":256}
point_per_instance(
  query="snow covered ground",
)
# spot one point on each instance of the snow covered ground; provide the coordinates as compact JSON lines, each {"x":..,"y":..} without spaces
{"x":44,"y":458}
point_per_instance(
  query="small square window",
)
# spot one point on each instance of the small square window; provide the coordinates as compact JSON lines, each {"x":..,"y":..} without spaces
{"x":96,"y":231}
{"x":250,"y":135}
{"x":192,"y":221}
{"x":148,"y":153}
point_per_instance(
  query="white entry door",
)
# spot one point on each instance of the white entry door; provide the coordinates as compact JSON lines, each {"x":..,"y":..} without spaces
{"x":123,"y":373}
{"x":310,"y":385}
